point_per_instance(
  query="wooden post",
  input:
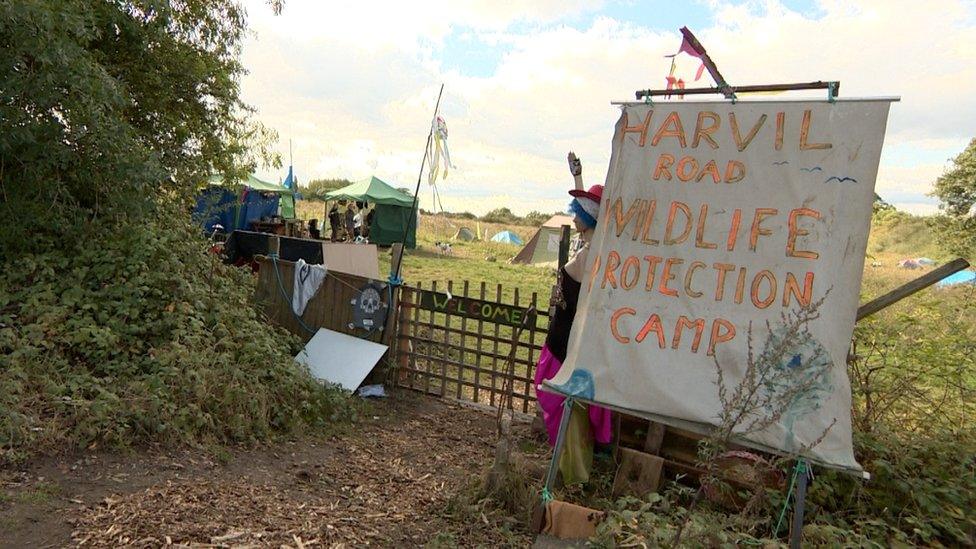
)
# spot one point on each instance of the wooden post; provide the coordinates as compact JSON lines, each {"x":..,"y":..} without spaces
{"x":403,"y":335}
{"x":396,"y":255}
{"x":910,"y":288}
{"x":707,"y":61}
{"x":274,"y":245}
{"x":799,"y":505}
{"x":564,"y":238}
{"x":393,"y":317}
{"x":654,"y":438}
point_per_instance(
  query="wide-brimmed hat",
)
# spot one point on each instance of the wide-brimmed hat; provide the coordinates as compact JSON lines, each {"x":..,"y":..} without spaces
{"x":594,"y":193}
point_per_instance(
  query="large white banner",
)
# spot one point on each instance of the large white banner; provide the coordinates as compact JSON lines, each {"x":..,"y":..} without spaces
{"x":725,"y":269}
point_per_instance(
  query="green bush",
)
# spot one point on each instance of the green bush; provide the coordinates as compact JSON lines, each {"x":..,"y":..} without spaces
{"x":922,"y":490}
{"x":139,"y":334}
{"x":318,"y":188}
{"x":503,"y":216}
{"x":914,"y":395}
{"x":902,"y":233}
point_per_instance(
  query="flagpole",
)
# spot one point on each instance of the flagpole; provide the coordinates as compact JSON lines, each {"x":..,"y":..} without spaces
{"x":395,"y":270}
{"x":720,"y":82}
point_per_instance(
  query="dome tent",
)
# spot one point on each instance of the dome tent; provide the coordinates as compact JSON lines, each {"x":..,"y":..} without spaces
{"x":464,"y":234}
{"x":508,"y":237}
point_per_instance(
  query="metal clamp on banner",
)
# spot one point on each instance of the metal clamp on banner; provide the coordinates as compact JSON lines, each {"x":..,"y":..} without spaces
{"x":832,"y":88}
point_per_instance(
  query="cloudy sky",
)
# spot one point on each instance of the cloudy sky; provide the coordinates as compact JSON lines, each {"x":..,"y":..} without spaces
{"x":353,"y":84}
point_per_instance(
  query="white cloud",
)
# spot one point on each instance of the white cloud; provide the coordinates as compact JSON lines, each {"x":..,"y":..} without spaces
{"x":354,"y":85}
{"x":917,"y":208}
{"x":898,"y":183}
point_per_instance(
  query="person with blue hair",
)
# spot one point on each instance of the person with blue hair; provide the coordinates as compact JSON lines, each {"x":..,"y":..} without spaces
{"x":585,"y":208}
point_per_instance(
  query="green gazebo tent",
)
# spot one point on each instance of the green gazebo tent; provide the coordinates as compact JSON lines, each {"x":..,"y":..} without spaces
{"x":393,"y":210}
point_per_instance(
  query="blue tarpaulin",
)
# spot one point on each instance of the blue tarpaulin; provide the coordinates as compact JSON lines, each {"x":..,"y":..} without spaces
{"x":962,"y":277}
{"x":507,"y":237}
{"x":235,"y":208}
{"x":216,"y":205}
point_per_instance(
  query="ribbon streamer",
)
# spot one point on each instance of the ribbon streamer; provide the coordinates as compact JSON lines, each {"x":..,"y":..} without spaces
{"x":439,"y":150}
{"x":678,"y":83}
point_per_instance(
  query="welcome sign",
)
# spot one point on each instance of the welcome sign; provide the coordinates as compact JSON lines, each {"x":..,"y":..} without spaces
{"x":720,"y":221}
{"x":476,"y":309}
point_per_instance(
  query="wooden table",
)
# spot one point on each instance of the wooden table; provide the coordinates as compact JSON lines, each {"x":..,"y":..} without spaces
{"x":268,"y":227}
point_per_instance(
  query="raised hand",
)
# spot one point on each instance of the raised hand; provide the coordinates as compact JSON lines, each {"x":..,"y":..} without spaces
{"x":575,"y":166}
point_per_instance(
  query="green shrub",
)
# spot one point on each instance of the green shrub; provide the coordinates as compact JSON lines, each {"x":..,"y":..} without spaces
{"x":922,"y":490}
{"x":914,"y":395}
{"x":140,"y":334}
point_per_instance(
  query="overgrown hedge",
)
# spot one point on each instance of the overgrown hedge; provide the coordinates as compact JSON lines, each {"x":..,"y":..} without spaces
{"x":139,"y":334}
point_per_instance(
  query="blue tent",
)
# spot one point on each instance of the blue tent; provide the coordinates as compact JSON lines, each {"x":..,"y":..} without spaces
{"x":507,"y":237}
{"x":237,"y":207}
{"x":962,"y":277}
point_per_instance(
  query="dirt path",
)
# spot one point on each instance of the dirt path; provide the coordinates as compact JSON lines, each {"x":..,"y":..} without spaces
{"x":389,"y":481}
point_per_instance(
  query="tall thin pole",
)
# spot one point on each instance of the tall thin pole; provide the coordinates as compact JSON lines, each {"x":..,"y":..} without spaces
{"x":395,"y":270}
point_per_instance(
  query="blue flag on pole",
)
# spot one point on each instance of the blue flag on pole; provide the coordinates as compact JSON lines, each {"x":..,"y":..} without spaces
{"x":288,"y":202}
{"x":290,"y":180}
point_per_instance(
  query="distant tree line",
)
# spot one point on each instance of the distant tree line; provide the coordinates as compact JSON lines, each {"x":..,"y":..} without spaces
{"x":317,"y":188}
{"x":502,"y":216}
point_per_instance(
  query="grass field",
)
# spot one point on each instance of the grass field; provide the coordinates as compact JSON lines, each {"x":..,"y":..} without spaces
{"x":475,"y":262}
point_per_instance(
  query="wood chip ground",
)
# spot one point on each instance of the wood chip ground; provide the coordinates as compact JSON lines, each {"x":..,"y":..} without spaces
{"x":388,"y":481}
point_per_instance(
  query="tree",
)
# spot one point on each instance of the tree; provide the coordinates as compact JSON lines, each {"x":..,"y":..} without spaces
{"x":317,"y":188}
{"x":109,"y":107}
{"x":501,"y":215}
{"x":880,"y":205}
{"x":117,"y":326}
{"x":956,"y":190}
{"x":536,"y":218}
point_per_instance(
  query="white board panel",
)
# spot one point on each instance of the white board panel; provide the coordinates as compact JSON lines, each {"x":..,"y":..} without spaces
{"x":339,"y":358}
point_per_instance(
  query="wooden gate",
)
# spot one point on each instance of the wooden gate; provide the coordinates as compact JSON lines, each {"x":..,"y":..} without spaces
{"x":455,"y":343}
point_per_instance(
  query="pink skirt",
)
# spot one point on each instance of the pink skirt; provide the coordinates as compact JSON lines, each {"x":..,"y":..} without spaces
{"x":552,"y":404}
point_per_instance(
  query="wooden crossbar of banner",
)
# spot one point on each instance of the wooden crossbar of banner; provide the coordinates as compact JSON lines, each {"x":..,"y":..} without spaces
{"x":834,"y":86}
{"x":912,"y":287}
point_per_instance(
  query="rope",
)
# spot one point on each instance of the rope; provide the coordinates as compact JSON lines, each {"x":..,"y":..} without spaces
{"x":393,"y":281}
{"x":284,"y":294}
{"x":343,"y":282}
{"x":789,"y":493}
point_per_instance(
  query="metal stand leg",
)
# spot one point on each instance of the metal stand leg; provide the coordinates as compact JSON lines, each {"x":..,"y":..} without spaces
{"x":557,"y":449}
{"x":799,"y":502}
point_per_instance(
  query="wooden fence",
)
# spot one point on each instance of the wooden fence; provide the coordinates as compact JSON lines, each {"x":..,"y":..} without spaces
{"x":329,"y":308}
{"x":455,"y":342}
